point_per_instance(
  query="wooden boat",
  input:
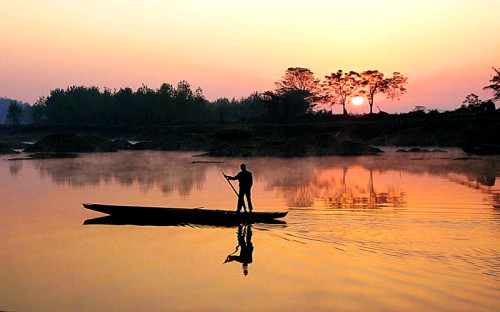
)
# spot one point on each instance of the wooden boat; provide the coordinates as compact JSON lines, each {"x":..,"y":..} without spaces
{"x":171,"y":216}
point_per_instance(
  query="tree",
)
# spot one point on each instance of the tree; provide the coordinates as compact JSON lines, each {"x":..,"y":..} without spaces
{"x":339,"y":87}
{"x":297,"y":79}
{"x":14,"y":112}
{"x":374,"y":82}
{"x":395,"y":86}
{"x":125,"y":107}
{"x":147,"y":113}
{"x":199,"y":105}
{"x":471,"y":100}
{"x":38,"y":109}
{"x":165,"y":100}
{"x":253,"y":106}
{"x":495,"y":84}
{"x":472,"y":104}
{"x":296,"y":93}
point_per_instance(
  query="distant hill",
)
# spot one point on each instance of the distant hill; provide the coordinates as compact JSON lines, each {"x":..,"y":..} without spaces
{"x":4,"y":107}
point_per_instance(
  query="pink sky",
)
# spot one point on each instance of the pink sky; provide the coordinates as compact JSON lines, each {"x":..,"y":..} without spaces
{"x":446,"y":48}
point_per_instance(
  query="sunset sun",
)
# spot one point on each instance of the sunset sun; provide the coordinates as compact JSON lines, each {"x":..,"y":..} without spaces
{"x":357,"y":100}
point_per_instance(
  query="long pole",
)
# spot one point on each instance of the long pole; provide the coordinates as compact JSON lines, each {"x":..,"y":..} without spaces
{"x":235,"y":192}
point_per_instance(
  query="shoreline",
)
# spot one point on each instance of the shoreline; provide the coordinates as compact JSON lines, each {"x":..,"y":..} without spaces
{"x":345,"y":136}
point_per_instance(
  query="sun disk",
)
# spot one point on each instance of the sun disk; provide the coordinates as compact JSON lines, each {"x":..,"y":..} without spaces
{"x":357,"y":100}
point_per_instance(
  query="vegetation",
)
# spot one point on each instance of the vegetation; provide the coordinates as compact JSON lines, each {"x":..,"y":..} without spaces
{"x":339,"y":87}
{"x":15,"y":112}
{"x":495,"y":85}
{"x":298,"y":96}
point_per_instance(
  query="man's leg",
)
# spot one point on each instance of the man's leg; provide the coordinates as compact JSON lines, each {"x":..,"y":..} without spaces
{"x":240,"y":201}
{"x":249,"y":201}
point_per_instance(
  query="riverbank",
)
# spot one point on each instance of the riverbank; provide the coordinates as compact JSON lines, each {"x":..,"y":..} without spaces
{"x":343,"y":136}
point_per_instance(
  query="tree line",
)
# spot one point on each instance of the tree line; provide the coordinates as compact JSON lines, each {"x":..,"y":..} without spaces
{"x":298,"y":93}
{"x":301,"y":89}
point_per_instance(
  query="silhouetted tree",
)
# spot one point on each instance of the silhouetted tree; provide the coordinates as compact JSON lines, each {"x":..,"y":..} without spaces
{"x":147,"y":110}
{"x":165,"y":96}
{"x":374,"y":82}
{"x":495,"y":84}
{"x":472,"y":104}
{"x":395,"y":86}
{"x":124,"y":106}
{"x":14,"y":112}
{"x":471,"y":100}
{"x":253,"y":106}
{"x":38,"y":109}
{"x":220,"y":110}
{"x":297,"y":78}
{"x":198,"y":106}
{"x":274,"y":105}
{"x":294,"y":95}
{"x":75,"y":105}
{"x":339,"y":87}
{"x":107,"y":108}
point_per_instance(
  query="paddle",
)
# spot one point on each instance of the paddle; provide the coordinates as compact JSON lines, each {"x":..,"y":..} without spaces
{"x":235,"y":192}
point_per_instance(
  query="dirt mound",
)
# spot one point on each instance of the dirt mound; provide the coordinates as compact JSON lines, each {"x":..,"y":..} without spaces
{"x":72,"y":143}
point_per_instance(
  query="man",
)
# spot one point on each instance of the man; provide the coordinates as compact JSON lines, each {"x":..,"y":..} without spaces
{"x":246,"y":248}
{"x":245,"y":180}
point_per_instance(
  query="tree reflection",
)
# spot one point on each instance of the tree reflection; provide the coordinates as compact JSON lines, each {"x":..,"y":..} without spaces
{"x":356,"y":196}
{"x":170,"y":172}
{"x":15,"y":167}
{"x":483,"y":182}
{"x":335,"y":182}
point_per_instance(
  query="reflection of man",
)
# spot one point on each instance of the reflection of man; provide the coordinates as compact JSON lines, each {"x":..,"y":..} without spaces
{"x":245,"y":180}
{"x":245,"y":243}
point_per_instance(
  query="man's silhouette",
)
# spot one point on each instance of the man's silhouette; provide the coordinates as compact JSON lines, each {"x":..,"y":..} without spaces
{"x":246,"y":248}
{"x":245,"y":180}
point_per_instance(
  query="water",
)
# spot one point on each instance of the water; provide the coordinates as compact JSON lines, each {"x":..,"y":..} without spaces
{"x":400,"y":232}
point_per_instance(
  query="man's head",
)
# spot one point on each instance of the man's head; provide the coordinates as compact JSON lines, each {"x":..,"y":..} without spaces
{"x":243,"y":167}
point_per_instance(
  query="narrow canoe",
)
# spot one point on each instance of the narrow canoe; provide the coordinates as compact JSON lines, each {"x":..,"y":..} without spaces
{"x":168,"y":215}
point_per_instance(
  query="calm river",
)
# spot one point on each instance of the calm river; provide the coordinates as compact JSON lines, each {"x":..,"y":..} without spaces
{"x":398,"y":232}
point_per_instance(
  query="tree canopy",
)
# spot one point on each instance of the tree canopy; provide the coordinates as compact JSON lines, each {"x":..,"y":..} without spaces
{"x":298,"y":93}
{"x":339,"y":87}
{"x":295,"y":94}
{"x":14,"y":112}
{"x":495,"y":84}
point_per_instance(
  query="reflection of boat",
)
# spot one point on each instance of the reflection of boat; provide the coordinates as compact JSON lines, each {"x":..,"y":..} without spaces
{"x":173,"y":216}
{"x":482,"y":149}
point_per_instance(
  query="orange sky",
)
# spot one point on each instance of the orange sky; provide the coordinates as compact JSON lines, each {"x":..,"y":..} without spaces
{"x":232,"y":48}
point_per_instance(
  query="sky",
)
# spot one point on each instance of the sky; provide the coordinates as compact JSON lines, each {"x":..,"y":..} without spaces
{"x":229,"y":48}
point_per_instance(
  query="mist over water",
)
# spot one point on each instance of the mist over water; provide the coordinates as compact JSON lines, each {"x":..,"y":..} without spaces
{"x":401,"y":231}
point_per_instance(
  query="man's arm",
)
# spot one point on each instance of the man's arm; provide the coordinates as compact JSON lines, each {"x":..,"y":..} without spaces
{"x":230,"y":177}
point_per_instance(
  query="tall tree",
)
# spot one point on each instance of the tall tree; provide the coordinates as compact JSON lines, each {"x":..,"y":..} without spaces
{"x":396,"y":86}
{"x":339,"y":87}
{"x":125,"y":106}
{"x":38,"y":109}
{"x":297,"y":79}
{"x":495,"y":84}
{"x":14,"y":112}
{"x":147,"y":113}
{"x":165,"y":98}
{"x":296,"y":92}
{"x":374,"y":82}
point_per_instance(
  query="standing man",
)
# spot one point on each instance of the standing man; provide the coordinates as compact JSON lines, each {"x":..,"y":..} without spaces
{"x":245,"y":180}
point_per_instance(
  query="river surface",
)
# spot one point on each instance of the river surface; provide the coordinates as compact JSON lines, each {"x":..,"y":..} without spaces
{"x":398,"y":232}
